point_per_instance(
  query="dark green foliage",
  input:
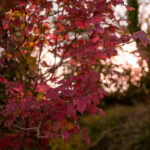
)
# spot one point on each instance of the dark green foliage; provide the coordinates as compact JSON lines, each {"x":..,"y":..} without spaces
{"x":121,"y":128}
{"x":133,"y":16}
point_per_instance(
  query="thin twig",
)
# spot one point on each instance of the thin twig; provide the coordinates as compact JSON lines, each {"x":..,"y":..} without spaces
{"x":22,"y":128}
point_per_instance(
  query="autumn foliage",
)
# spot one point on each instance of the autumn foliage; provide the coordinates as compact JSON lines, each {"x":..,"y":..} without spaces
{"x":78,"y":32}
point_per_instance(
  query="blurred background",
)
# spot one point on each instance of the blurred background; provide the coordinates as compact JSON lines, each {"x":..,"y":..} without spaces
{"x":125,"y":124}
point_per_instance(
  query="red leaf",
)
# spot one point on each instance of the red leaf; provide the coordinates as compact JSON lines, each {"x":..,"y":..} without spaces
{"x":11,"y":108}
{"x":3,"y":80}
{"x":102,"y":55}
{"x":80,"y":24}
{"x":130,"y":8}
{"x":100,"y":5}
{"x":42,"y":87}
{"x":44,"y":64}
{"x":142,"y":36}
{"x":81,"y":105}
{"x":92,"y":109}
{"x":71,"y":112}
{"x":5,"y":26}
{"x":97,"y":29}
{"x":65,"y":135}
{"x":28,"y":103}
{"x":87,"y":139}
{"x":53,"y":79}
{"x":95,"y":19}
{"x":68,"y":93}
{"x":111,"y":52}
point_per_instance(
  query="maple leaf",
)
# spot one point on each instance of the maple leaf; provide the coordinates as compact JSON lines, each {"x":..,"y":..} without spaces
{"x":111,"y":52}
{"x":71,"y":111}
{"x":81,"y":105}
{"x":92,"y":109}
{"x":87,"y":139}
{"x":3,"y":80}
{"x":102,"y":93}
{"x":117,"y":2}
{"x":11,"y":108}
{"x":102,"y":55}
{"x":142,"y":36}
{"x":68,"y":93}
{"x":130,"y":8}
{"x":95,"y":19}
{"x":5,"y":26}
{"x":80,"y":24}
{"x":65,"y":135}
{"x":100,"y":5}
{"x":28,"y":103}
{"x":85,"y":136}
{"x":97,"y":29}
{"x":44,"y":64}
{"x":42,"y":87}
{"x":101,"y":112}
{"x":52,"y":94}
{"x":14,"y":88}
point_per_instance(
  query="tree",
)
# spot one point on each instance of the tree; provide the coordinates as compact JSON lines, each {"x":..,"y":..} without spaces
{"x":79,"y":33}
